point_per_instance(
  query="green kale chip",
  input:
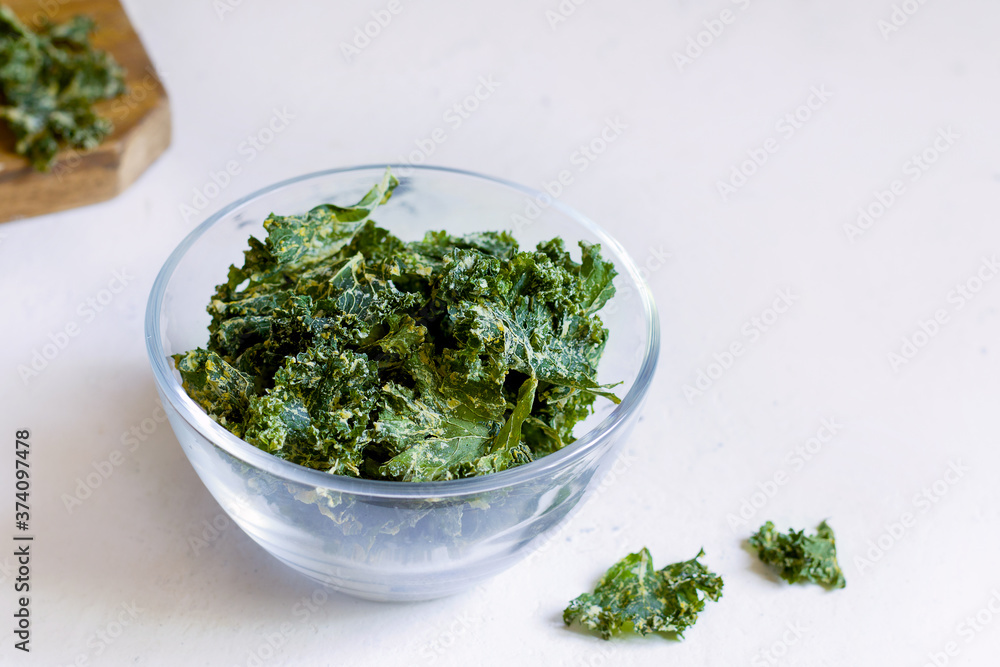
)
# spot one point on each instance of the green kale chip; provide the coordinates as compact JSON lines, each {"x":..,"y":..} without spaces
{"x":798,"y":557}
{"x":339,"y":347}
{"x":634,"y":596}
{"x":49,"y":81}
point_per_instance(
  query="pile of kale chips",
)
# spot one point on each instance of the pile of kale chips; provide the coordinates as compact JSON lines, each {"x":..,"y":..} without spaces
{"x":339,"y":347}
{"x":49,"y":82}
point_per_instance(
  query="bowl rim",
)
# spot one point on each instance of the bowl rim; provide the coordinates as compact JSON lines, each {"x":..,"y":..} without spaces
{"x":217,"y":435}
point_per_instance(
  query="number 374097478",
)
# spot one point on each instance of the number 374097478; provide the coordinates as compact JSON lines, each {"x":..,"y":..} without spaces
{"x":22,"y":479}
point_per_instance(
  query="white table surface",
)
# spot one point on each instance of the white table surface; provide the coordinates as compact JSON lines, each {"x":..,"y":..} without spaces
{"x":125,"y":553}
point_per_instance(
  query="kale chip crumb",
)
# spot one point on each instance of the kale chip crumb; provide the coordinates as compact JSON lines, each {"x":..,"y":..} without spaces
{"x":49,"y":81}
{"x":633,"y":596}
{"x":339,"y":347}
{"x":798,"y":557}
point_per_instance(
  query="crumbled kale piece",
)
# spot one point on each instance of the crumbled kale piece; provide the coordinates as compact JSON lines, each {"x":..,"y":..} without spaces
{"x":339,"y":347}
{"x":798,"y":557}
{"x":49,"y":81}
{"x":634,"y":596}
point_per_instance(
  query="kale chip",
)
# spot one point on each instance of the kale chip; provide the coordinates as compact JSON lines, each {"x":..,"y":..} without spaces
{"x":49,"y":81}
{"x":797,"y":557}
{"x":341,"y":348}
{"x":634,"y":596}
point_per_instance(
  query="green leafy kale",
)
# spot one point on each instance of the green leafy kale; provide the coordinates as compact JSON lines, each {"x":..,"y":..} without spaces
{"x":632,"y":595}
{"x":49,"y":82}
{"x":797,"y":557}
{"x":339,"y":347}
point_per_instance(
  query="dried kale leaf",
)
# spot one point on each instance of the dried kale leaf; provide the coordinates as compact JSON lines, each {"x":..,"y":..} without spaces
{"x":339,"y":347}
{"x":216,"y":386}
{"x":49,"y":81}
{"x":634,"y":596}
{"x":797,"y":557}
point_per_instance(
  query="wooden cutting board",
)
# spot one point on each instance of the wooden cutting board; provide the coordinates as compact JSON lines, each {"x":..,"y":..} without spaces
{"x":141,"y":118}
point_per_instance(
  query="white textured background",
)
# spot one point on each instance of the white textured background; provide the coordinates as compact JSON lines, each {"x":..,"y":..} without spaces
{"x":691,"y":463}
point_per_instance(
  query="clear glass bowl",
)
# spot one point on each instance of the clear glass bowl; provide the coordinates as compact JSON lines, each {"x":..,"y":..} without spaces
{"x":392,"y":540}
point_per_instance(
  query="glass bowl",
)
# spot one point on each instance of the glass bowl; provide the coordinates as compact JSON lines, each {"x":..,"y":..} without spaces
{"x":385,"y":540}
